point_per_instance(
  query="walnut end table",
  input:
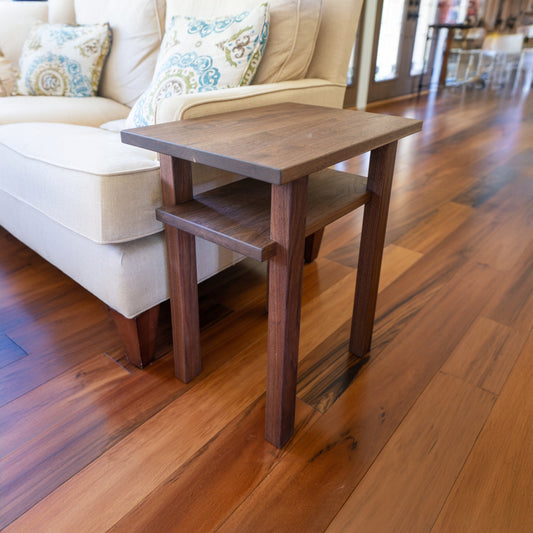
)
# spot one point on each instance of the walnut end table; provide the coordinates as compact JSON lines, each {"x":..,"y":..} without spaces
{"x":289,"y":193}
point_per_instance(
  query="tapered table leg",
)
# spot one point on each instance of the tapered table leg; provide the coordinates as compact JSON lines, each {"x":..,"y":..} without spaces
{"x":288,"y":208}
{"x":379,"y":183}
{"x":176,"y":180}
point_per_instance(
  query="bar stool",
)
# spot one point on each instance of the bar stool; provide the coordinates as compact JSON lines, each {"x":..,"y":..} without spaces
{"x":499,"y":57}
{"x":468,"y":56}
{"x":525,"y":68}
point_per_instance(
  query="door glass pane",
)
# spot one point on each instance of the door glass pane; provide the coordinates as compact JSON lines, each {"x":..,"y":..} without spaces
{"x":389,"y":40}
{"x":426,"y":16}
{"x":457,"y":10}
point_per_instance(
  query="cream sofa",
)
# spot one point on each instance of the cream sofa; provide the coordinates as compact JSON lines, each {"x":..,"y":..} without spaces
{"x":85,"y":202}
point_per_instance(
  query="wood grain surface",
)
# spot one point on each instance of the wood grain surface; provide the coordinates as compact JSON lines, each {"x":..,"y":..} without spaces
{"x":318,"y":137}
{"x":237,"y":216}
{"x":176,"y":182}
{"x":430,"y":433}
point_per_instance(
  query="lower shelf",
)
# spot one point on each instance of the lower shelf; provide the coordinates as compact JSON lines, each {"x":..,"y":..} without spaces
{"x":237,"y":216}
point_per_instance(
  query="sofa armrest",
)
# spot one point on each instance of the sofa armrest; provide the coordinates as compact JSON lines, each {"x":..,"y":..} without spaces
{"x":16,"y":20}
{"x":306,"y":91}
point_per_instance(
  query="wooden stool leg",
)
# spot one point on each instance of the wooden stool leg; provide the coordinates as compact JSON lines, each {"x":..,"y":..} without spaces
{"x":379,"y":183}
{"x":176,"y":180}
{"x":289,"y":204}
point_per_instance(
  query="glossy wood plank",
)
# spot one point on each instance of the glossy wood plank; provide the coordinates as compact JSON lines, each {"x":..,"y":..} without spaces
{"x":343,"y":239}
{"x":58,"y":329}
{"x":34,"y":284}
{"x":335,"y":453}
{"x":328,"y":370}
{"x":34,"y":472}
{"x":486,"y":355}
{"x":413,"y":474}
{"x":512,"y":302}
{"x":9,"y":351}
{"x":503,"y":253}
{"x":469,"y":145}
{"x":321,"y":276}
{"x":396,"y":261}
{"x":54,"y":456}
{"x":124,"y":413}
{"x":182,"y":428}
{"x":20,"y":258}
{"x":434,"y":228}
{"x":493,"y":492}
{"x":401,"y":302}
{"x":47,"y":405}
{"x":331,"y":309}
{"x":494,"y":181}
{"x":223,"y":472}
{"x":53,"y":348}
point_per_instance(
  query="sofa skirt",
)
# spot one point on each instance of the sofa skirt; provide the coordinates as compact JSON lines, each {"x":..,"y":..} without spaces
{"x":130,"y":277}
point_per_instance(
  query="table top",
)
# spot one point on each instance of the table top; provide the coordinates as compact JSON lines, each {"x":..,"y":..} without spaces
{"x":275,"y":144}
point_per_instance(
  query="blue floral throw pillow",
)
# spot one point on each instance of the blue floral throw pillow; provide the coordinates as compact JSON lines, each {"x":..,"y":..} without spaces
{"x":63,"y":60}
{"x":204,"y":55}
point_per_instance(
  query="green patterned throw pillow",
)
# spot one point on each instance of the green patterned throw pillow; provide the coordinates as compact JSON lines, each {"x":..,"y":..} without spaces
{"x":204,"y":55}
{"x":63,"y":60}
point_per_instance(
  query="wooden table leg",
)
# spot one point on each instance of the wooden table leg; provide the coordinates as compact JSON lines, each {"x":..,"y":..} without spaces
{"x":312,"y":245}
{"x":379,"y":183}
{"x":287,"y":228}
{"x":176,"y":180}
{"x":446,"y":57}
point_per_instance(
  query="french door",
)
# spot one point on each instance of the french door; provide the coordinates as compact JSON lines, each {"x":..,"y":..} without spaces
{"x":400,"y":50}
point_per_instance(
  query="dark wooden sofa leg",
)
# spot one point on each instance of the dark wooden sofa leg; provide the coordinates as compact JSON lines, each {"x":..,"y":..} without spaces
{"x":312,"y":245}
{"x":138,"y":335}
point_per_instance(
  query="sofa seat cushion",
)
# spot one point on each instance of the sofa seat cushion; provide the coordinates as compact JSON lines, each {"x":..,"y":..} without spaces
{"x":83,"y":178}
{"x":86,"y":179}
{"x":90,"y":111}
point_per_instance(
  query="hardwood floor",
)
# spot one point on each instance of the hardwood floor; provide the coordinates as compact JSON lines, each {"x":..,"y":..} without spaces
{"x":431,"y":432}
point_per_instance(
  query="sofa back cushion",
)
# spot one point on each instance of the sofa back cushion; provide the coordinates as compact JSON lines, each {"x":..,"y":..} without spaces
{"x":137,"y":27}
{"x":335,"y":40}
{"x":63,"y":60}
{"x":199,"y":55}
{"x":61,"y":12}
{"x":293,"y":31}
{"x":17,"y":27}
{"x":7,"y":76}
